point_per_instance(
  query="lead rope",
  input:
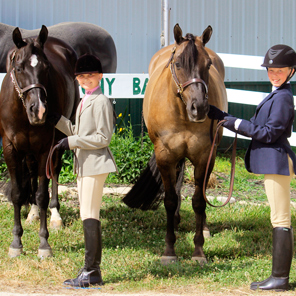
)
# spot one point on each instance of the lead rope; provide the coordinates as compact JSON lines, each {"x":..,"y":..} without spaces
{"x":49,"y":169}
{"x":232,"y":167}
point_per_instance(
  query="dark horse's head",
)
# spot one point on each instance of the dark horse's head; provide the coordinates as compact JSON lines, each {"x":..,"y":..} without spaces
{"x":190,"y":64}
{"x":29,"y":71}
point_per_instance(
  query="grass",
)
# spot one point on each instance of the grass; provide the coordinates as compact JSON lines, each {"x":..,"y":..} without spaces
{"x":238,"y":252}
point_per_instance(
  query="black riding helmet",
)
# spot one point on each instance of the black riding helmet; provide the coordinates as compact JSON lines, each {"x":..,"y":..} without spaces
{"x":280,"y":56}
{"x":88,"y":64}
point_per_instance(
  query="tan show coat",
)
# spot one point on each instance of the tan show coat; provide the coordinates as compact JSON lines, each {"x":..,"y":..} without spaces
{"x":91,"y":135}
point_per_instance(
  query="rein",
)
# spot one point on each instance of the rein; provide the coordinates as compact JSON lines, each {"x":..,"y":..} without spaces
{"x":21,"y":91}
{"x":49,"y":169}
{"x":182,"y":86}
{"x":232,"y":167}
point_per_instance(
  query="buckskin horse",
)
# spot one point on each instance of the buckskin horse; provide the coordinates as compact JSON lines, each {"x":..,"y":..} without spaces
{"x":185,"y":78}
{"x":40,"y":80}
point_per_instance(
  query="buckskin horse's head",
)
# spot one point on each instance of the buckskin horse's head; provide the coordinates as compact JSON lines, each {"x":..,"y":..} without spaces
{"x":29,"y":71}
{"x":190,"y":64}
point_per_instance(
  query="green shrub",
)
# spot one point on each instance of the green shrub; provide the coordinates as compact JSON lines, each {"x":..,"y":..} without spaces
{"x":131,"y":153}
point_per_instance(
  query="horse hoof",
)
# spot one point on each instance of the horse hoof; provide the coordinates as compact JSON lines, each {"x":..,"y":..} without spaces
{"x":201,"y":260}
{"x":206,"y":233}
{"x":56,"y":224}
{"x":14,"y":252}
{"x":44,"y":253}
{"x":165,"y":260}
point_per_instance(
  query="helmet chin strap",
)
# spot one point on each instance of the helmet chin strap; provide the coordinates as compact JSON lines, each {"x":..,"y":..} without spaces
{"x":290,"y":75}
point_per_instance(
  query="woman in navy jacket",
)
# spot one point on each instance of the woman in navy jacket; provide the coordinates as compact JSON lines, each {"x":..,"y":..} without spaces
{"x":270,"y":154}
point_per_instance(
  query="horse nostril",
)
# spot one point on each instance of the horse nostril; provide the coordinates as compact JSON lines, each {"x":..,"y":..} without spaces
{"x":194,"y":109}
{"x":32,"y":107}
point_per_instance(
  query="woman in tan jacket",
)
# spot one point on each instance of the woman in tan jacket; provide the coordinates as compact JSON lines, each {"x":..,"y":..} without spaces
{"x":90,"y":137}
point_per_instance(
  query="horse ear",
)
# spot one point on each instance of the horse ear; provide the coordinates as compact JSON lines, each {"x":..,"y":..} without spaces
{"x":206,"y":35}
{"x":178,"y":34}
{"x":43,"y":34}
{"x":17,"y":38}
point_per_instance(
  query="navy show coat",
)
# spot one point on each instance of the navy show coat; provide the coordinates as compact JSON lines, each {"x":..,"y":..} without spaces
{"x":270,"y":128}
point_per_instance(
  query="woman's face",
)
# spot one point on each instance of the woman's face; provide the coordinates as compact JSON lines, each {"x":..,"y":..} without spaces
{"x":277,"y":76}
{"x":89,"y":80}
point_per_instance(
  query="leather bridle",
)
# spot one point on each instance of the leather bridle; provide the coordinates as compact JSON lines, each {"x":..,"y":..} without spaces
{"x":182,"y":86}
{"x":22,"y":91}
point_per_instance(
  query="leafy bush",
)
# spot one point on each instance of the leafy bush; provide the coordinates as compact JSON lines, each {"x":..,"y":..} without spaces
{"x":131,"y":153}
{"x":66,"y":175}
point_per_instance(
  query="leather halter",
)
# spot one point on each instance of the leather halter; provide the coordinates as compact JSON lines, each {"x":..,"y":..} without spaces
{"x":182,"y":86}
{"x":21,"y":91}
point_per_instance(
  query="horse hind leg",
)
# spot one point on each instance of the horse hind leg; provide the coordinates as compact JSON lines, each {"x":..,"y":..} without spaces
{"x":171,"y":206}
{"x":30,"y":184}
{"x":33,"y":215}
{"x":206,"y":230}
{"x":42,"y":198}
{"x":56,"y":221}
{"x":179,"y":183}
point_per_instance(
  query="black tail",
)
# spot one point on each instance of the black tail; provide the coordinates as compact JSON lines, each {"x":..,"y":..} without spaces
{"x":148,"y":191}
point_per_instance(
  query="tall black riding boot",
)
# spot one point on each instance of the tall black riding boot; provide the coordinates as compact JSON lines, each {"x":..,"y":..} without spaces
{"x":283,"y":242}
{"x":91,"y":273}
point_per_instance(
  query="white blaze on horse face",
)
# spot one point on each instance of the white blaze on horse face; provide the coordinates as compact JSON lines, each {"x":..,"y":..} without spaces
{"x":41,"y":110}
{"x":34,"y":60}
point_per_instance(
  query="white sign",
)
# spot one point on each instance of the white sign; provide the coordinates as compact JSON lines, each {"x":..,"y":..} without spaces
{"x":124,"y":86}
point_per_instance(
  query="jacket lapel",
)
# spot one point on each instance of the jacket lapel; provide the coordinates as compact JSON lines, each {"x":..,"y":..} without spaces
{"x":286,"y":86}
{"x":89,"y":100}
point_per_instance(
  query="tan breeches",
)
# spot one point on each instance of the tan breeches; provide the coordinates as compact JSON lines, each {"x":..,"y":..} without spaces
{"x":277,"y":188}
{"x":90,"y":192}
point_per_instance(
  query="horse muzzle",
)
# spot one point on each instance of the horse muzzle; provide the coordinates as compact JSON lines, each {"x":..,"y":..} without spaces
{"x":36,"y":112}
{"x":196,"y":113}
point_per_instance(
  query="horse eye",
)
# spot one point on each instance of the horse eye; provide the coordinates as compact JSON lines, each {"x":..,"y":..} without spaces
{"x":178,"y":66}
{"x":209,"y":65}
{"x":18,"y":69}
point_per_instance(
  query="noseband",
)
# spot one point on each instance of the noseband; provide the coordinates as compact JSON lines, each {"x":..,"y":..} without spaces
{"x":22,"y":91}
{"x":182,"y":86}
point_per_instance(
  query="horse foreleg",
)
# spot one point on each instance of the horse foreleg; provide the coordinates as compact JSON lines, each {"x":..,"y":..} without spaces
{"x":42,"y":199}
{"x":199,"y":207}
{"x":14,"y":165}
{"x":16,"y":247}
{"x":171,"y":206}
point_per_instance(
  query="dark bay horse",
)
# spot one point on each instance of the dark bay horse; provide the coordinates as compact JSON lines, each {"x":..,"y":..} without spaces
{"x":40,"y":80}
{"x":83,"y":37}
{"x":184,"y":79}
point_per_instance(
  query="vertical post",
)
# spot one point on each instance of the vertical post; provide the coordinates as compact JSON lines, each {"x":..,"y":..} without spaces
{"x":166,"y":22}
